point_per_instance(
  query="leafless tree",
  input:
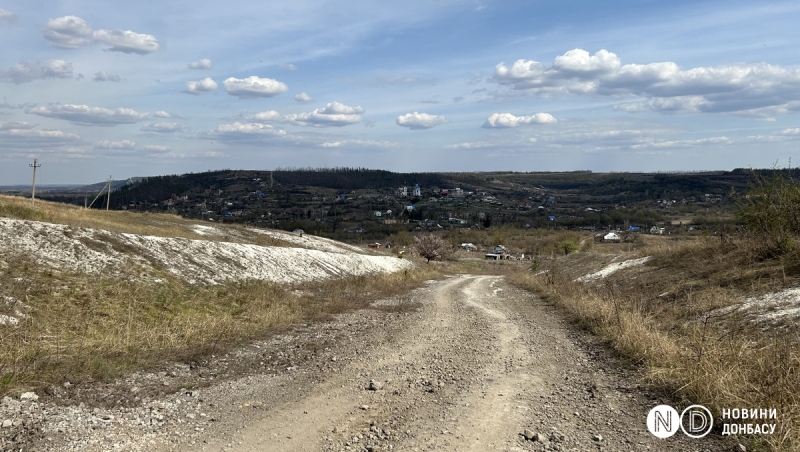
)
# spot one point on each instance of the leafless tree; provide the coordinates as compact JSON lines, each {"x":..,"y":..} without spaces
{"x":429,"y":246}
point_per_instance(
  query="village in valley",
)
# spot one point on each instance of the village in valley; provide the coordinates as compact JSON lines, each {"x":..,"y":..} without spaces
{"x":370,"y":208}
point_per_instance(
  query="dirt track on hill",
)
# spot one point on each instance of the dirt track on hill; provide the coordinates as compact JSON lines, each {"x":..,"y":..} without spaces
{"x":473,"y":367}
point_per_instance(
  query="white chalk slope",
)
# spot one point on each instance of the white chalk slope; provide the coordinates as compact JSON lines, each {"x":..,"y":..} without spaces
{"x":196,"y":261}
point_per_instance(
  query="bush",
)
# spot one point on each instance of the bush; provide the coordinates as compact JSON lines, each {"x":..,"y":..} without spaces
{"x":567,"y":246}
{"x":429,"y":246}
{"x":771,"y":209}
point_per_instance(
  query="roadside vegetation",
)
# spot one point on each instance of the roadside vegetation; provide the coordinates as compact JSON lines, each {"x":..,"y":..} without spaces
{"x":677,"y":317}
{"x":74,"y":327}
{"x":61,"y":325}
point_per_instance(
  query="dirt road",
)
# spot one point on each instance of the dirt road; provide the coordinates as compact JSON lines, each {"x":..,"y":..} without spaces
{"x":474,"y":367}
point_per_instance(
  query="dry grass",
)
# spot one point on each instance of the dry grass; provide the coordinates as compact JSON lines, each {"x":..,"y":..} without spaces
{"x":665,"y":317}
{"x":80,"y":328}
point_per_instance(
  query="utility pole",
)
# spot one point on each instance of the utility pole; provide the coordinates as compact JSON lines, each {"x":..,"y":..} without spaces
{"x":33,"y":184}
{"x":108,"y":201}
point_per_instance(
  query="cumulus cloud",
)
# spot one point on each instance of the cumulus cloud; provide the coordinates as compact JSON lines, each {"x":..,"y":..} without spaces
{"x":334,"y":114}
{"x":104,"y":76}
{"x":86,"y":115}
{"x":200,"y":86}
{"x":123,"y":145}
{"x":156,"y":148}
{"x":245,"y":129}
{"x":7,"y":17}
{"x":203,"y":64}
{"x":288,"y":66}
{"x":162,"y":114}
{"x":417,"y":121}
{"x":164,"y":127}
{"x":303,"y":97}
{"x":253,"y":86}
{"x":506,"y":120}
{"x":69,"y":32}
{"x":18,"y":125}
{"x":127,"y":41}
{"x":28,"y":71}
{"x":72,"y":32}
{"x":663,"y":86}
{"x":24,"y":135}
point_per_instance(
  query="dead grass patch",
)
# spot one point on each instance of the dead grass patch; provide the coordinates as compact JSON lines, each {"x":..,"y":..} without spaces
{"x":667,"y":317}
{"x":80,"y":327}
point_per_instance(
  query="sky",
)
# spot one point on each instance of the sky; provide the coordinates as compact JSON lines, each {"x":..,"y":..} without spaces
{"x":93,"y":89}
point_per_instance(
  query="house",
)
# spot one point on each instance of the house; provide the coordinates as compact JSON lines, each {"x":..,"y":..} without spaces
{"x":469,"y":247}
{"x":656,"y":230}
{"x":378,"y":213}
{"x":374,"y":245}
{"x":500,"y":249}
{"x":417,"y":190}
{"x":552,"y":217}
{"x":612,"y":237}
{"x":634,"y":228}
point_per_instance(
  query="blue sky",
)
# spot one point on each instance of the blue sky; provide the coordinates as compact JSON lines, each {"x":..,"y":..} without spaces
{"x":94,"y":88}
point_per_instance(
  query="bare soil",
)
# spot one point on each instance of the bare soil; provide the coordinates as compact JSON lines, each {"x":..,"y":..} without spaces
{"x":464,"y":364}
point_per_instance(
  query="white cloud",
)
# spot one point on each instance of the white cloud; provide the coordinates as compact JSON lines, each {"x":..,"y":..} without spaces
{"x":18,"y":125}
{"x":104,"y":76}
{"x":156,"y":148}
{"x":505,"y":120}
{"x":417,"y":121}
{"x":164,"y":127}
{"x":127,"y":41}
{"x":7,"y":17}
{"x":72,"y":32}
{"x":471,"y":145}
{"x":334,"y":114}
{"x":253,"y":86}
{"x":303,"y":97}
{"x":123,"y":145}
{"x":28,"y":71}
{"x":238,"y":128}
{"x":664,"y":86}
{"x":69,"y":32}
{"x":288,"y":66}
{"x":359,"y":142}
{"x":263,"y":117}
{"x":794,"y":131}
{"x":22,"y":135}
{"x":86,"y":115}
{"x":162,"y":114}
{"x":205,"y":63}
{"x":201,"y":86}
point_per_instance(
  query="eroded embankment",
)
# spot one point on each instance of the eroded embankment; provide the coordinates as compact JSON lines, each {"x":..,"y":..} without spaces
{"x":87,"y":250}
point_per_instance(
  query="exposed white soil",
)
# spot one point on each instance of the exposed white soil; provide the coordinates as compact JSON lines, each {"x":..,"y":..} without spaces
{"x":773,"y":307}
{"x":197,"y":261}
{"x":612,"y":268}
{"x":312,"y":242}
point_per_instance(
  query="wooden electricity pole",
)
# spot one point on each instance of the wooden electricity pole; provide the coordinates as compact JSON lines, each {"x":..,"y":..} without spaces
{"x":33,"y":184}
